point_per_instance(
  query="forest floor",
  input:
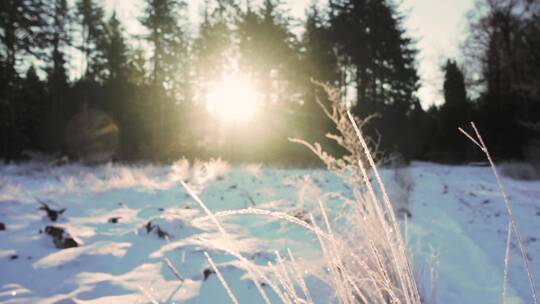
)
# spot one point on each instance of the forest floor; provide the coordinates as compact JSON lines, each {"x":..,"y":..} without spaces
{"x":126,"y":219}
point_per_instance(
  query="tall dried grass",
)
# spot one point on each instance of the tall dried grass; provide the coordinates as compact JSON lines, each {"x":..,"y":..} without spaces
{"x":365,"y":259}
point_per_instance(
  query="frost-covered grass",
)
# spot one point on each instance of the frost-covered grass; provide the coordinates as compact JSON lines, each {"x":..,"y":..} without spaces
{"x":457,"y":215}
{"x":366,"y":258}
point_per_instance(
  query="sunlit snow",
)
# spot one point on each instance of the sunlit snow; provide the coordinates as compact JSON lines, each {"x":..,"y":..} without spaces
{"x":458,"y":227}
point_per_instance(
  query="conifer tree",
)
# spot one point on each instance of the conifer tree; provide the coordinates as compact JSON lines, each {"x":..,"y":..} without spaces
{"x":455,"y":112}
{"x":214,"y":44}
{"x":93,"y":36}
{"x":269,"y":51}
{"x":32,"y":106}
{"x":454,"y":90}
{"x":119,"y":93}
{"x":378,"y":59}
{"x":116,"y":50}
{"x":369,"y":36}
{"x":319,"y":58}
{"x":21,"y":34}
{"x":169,"y":62}
{"x":319,"y":63}
{"x":60,"y":38}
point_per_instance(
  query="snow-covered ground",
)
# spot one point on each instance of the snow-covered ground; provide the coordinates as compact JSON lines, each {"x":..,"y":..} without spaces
{"x":127,"y":221}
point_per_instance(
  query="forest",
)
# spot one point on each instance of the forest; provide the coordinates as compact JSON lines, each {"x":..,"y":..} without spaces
{"x":249,"y":153}
{"x":147,"y":95}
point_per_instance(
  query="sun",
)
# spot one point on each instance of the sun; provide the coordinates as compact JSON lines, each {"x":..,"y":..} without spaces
{"x":233,"y":99}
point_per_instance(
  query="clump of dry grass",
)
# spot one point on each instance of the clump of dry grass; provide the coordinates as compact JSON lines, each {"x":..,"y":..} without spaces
{"x":365,"y":259}
{"x":346,"y":166}
{"x":383,"y":274}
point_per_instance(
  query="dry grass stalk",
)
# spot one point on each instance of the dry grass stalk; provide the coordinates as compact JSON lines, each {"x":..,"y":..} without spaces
{"x":221,"y":279}
{"x":506,"y":260}
{"x":147,"y":295}
{"x":253,"y":272}
{"x":399,"y":252}
{"x":298,"y":277}
{"x":173,"y":270}
{"x":346,"y":166}
{"x":479,"y":141}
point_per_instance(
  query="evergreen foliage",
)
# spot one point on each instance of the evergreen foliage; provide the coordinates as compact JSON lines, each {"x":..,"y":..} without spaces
{"x":169,"y":74}
{"x":22,"y":35}
{"x":378,"y":61}
{"x":59,"y":40}
{"x":155,"y":85}
{"x":93,"y":39}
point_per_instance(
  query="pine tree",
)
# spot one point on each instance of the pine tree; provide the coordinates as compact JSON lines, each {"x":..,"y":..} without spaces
{"x":319,"y":63}
{"x":455,"y":112}
{"x":21,"y":22}
{"x":377,"y":58}
{"x":93,"y":35}
{"x":123,"y":90}
{"x":213,"y":47}
{"x":21,"y":34}
{"x":454,"y":90}
{"x":269,"y":51}
{"x":116,"y":50}
{"x":319,"y":59}
{"x":169,"y":62}
{"x":59,"y":38}
{"x":370,"y":38}
{"x":319,"y":55}
{"x":33,"y":103}
{"x":117,"y":67}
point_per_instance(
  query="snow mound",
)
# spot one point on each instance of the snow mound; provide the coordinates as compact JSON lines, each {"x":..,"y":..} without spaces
{"x":69,"y":255}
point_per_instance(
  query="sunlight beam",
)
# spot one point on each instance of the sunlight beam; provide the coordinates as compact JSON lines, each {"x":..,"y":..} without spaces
{"x":233,"y":100}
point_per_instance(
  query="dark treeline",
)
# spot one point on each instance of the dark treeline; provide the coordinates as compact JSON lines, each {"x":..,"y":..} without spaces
{"x":149,"y":91}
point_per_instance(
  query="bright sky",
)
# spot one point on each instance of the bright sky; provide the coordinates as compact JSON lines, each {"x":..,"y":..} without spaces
{"x":437,"y":25}
{"x":440,"y":27}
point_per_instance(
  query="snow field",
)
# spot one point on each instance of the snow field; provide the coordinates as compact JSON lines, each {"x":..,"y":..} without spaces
{"x":456,"y":213}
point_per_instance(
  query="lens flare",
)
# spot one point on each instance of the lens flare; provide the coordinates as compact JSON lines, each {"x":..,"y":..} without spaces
{"x":233,"y":100}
